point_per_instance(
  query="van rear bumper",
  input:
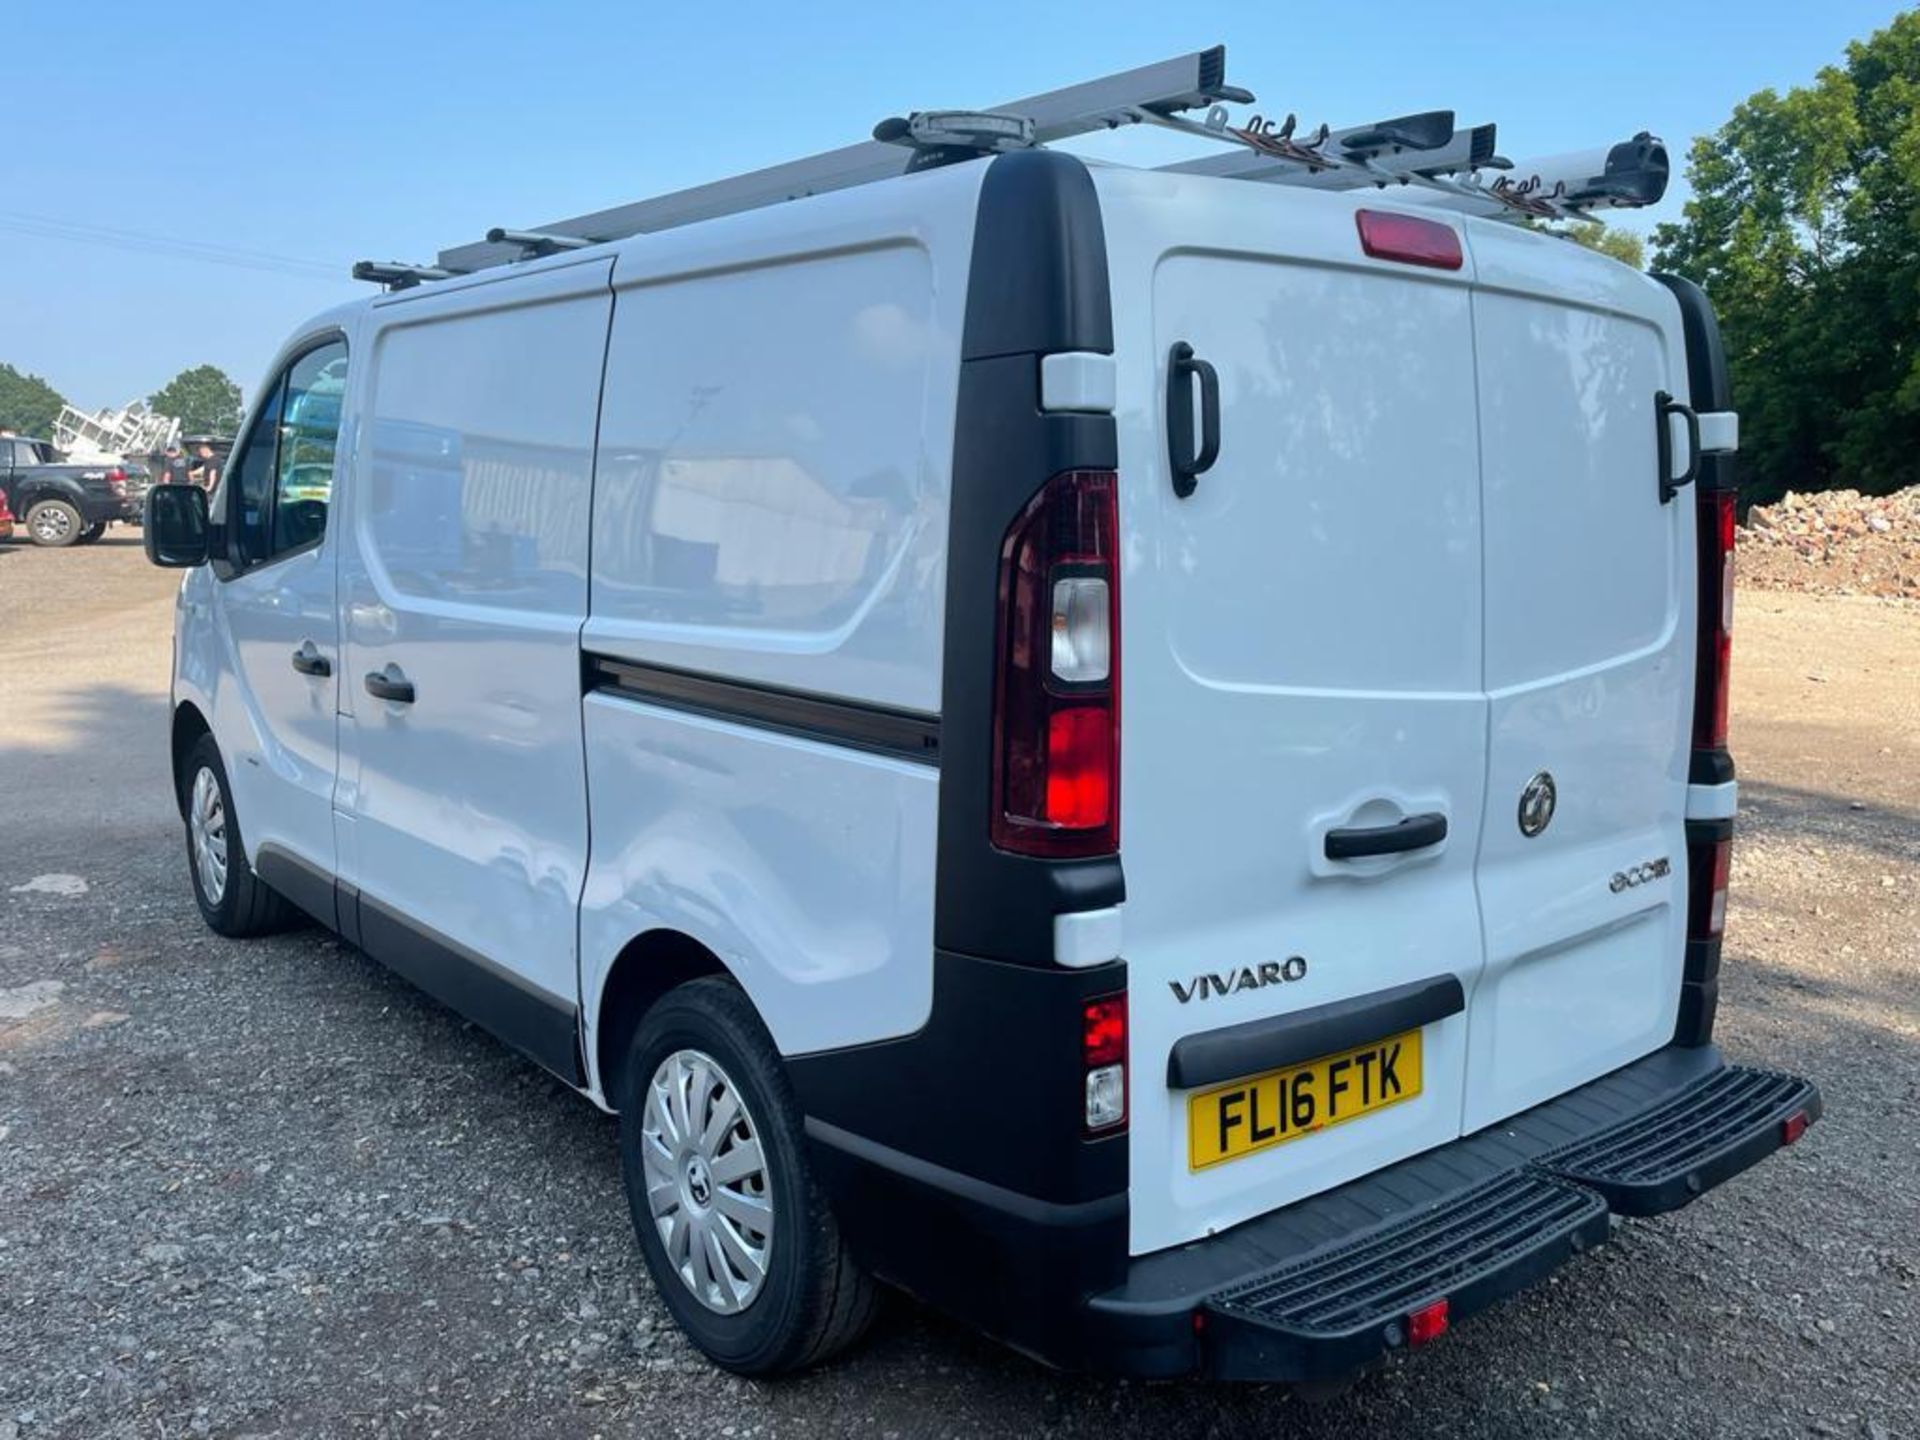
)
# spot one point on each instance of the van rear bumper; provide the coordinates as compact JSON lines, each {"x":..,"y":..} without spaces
{"x":1326,"y":1286}
{"x":1323,"y":1287}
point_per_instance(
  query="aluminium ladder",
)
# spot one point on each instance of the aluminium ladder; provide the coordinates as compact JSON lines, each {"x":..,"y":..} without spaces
{"x":1424,"y":157}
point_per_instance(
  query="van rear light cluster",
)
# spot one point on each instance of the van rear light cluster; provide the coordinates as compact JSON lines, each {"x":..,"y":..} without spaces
{"x":1103,"y":1053}
{"x":1056,"y":711}
{"x":1709,"y":864}
{"x":1711,"y":674}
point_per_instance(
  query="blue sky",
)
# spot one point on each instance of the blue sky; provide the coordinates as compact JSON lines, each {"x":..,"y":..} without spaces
{"x":319,"y":134}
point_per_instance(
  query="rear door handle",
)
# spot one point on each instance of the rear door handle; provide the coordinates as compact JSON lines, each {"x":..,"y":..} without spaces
{"x":1187,"y":462}
{"x":309,"y":661}
{"x":390,"y":684}
{"x":1665,"y":407}
{"x":1416,"y":832}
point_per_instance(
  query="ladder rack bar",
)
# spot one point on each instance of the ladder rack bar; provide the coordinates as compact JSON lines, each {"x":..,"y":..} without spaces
{"x":1467,"y":150}
{"x":1170,"y":85}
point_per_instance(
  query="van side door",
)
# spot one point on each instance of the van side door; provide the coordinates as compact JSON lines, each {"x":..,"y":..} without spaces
{"x":274,"y":711}
{"x":464,"y":809}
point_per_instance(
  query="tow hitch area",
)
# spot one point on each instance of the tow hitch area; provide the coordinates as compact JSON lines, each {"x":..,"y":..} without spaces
{"x":1402,"y":1284}
{"x":1407,"y":1281}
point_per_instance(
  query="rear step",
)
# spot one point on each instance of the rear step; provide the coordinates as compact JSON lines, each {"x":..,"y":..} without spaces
{"x":1660,"y":1159}
{"x":1344,"y":1307}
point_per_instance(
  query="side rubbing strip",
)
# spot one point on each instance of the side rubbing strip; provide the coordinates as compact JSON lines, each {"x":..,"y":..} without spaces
{"x":1240,"y":1050}
{"x":903,"y":734}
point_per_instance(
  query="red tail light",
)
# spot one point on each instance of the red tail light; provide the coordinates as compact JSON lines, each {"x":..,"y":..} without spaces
{"x":1428,"y":1323}
{"x":1716,"y":620}
{"x":1709,"y":863}
{"x":1408,"y":238}
{"x":1056,"y":712}
{"x":1103,"y":1054}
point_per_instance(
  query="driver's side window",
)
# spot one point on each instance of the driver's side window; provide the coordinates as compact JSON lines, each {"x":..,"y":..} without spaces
{"x":281,"y":481}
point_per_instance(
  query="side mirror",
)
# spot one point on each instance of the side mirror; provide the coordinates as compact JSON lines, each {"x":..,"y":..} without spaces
{"x":176,"y":526}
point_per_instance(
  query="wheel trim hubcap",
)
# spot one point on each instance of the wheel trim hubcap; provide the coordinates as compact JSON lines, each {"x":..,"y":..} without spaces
{"x":706,"y":1177}
{"x":207,"y":832}
{"x":51,"y":524}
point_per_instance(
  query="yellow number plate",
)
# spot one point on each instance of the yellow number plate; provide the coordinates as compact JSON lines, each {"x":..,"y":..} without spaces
{"x":1262,"y":1111}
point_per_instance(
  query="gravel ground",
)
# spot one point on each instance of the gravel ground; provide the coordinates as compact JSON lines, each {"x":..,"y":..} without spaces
{"x":266,"y":1189}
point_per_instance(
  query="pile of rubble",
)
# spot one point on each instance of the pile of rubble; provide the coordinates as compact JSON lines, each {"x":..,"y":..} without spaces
{"x":1834,"y":542}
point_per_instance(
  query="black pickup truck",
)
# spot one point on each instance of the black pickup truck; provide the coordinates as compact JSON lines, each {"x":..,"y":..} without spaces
{"x":59,"y":504}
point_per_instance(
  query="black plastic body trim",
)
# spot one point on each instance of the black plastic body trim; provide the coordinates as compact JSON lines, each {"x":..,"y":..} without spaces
{"x":955,"y":1157}
{"x":903,"y":734}
{"x":1145,"y":1326}
{"x":540,"y":1026}
{"x":1700,"y":832}
{"x":1663,"y":1158}
{"x":1707,"y":381}
{"x":305,"y":884}
{"x":1038,"y":286}
{"x":1710,"y":767}
{"x":1710,"y":389}
{"x":991,"y":1086}
{"x":1234,"y":1051}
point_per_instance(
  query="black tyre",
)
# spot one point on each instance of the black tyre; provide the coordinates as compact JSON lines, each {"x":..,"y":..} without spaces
{"x":739,"y":1238}
{"x":54,"y":523}
{"x":233,"y":900}
{"x":92,"y":533}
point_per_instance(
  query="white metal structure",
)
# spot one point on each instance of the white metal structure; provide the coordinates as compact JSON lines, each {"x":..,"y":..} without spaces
{"x":698,"y":656}
{"x":111,"y":436}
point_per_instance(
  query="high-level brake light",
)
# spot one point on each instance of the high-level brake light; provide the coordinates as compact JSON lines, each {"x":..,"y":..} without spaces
{"x":1387,"y":235}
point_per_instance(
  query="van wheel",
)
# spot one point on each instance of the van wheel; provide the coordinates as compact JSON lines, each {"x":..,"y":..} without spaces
{"x":232,"y":899}
{"x":735,"y":1229}
{"x":53,"y":522}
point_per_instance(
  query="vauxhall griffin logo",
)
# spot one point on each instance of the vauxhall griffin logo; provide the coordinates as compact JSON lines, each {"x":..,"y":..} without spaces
{"x":1247,"y":977}
{"x":1536,"y":804}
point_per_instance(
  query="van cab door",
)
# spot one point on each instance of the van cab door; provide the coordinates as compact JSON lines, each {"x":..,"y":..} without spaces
{"x":464,"y":806}
{"x":276,"y":721}
{"x":1304,"y":727}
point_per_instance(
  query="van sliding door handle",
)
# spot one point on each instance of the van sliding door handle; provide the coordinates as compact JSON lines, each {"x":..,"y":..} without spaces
{"x":1416,"y":832}
{"x":390,"y":684}
{"x":309,"y":661}
{"x":1187,"y":463}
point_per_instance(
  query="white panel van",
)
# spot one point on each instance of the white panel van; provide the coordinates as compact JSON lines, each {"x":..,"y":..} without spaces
{"x":1138,"y":755}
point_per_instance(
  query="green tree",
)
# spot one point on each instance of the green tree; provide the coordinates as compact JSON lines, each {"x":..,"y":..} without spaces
{"x":1804,"y":228}
{"x":1622,"y":245}
{"x":28,"y":404}
{"x":203,"y":399}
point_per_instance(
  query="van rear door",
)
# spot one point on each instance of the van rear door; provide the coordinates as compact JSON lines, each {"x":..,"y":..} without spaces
{"x":1302,"y":660}
{"x":1589,"y":667}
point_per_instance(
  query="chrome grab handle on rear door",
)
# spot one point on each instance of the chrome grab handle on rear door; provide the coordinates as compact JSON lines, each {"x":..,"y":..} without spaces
{"x":1416,"y":832}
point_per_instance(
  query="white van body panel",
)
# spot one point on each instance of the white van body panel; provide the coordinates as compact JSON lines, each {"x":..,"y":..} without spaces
{"x":277,"y":729}
{"x":1590,"y":627}
{"x":776,"y":444}
{"x":1302,"y":651}
{"x":466,"y":567}
{"x":806,"y":868}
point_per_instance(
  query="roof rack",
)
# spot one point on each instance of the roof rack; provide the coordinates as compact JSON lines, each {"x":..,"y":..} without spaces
{"x":1426,"y":153}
